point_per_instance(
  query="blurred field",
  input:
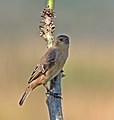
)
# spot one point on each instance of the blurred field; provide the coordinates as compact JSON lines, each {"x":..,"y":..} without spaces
{"x":88,"y":90}
{"x":88,"y":87}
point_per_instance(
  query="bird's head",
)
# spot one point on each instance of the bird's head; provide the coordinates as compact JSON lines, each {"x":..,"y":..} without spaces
{"x":62,"y":41}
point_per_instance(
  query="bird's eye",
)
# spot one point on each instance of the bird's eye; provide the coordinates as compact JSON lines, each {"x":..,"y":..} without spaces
{"x":61,"y":39}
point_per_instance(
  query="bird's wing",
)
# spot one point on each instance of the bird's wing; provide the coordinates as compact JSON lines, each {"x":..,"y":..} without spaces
{"x":47,"y":61}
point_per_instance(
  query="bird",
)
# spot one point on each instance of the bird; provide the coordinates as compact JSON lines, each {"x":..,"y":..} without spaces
{"x":49,"y":66}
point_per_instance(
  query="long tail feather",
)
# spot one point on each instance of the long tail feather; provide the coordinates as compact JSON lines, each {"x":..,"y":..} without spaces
{"x":25,"y":95}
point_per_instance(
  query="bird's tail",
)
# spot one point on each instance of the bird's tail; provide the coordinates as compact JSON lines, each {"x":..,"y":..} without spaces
{"x":25,"y":95}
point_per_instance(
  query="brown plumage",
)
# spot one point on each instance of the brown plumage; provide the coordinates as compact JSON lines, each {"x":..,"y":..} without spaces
{"x":49,"y":66}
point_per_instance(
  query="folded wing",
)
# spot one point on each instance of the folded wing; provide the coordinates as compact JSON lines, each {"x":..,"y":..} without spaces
{"x":47,"y":62}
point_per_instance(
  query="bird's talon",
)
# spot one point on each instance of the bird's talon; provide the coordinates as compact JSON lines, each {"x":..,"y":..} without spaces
{"x":63,"y":75}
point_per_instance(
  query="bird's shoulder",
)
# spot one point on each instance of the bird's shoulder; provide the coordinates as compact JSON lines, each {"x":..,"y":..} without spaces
{"x":50,"y":55}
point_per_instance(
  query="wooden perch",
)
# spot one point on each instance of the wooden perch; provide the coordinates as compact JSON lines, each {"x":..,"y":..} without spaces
{"x":54,"y":104}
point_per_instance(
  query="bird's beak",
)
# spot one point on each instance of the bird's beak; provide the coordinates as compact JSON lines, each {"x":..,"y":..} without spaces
{"x":66,"y":41}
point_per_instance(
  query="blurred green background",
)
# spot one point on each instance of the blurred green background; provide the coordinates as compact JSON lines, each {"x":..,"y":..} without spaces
{"x":88,"y":88}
